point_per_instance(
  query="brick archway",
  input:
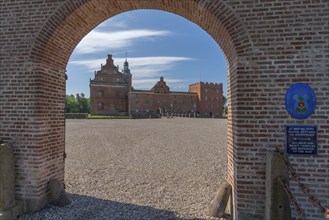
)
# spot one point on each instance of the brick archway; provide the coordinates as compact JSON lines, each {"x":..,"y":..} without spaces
{"x":52,"y":48}
{"x":268,"y":46}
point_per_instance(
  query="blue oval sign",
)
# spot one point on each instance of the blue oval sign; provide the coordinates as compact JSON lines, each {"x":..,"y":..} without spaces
{"x":300,"y":101}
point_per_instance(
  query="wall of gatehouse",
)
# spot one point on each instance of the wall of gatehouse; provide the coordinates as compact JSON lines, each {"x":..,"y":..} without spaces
{"x":269,"y":45}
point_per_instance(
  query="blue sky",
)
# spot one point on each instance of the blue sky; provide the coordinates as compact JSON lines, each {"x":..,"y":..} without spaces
{"x":158,"y":44}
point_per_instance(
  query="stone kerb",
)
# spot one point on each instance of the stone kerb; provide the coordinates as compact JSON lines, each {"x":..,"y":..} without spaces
{"x":76,"y":115}
{"x":9,"y":207}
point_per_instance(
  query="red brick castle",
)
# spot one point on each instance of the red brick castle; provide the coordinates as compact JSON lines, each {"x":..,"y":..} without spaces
{"x":111,"y":93}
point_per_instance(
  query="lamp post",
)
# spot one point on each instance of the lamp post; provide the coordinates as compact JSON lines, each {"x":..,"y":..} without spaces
{"x":129,"y":105}
{"x":171,"y":108}
{"x":194,"y":110}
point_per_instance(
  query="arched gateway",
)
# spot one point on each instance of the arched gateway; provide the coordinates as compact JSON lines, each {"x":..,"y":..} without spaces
{"x":269,"y":45}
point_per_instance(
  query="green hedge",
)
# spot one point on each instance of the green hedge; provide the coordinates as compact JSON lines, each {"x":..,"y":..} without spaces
{"x":76,"y":115}
{"x":107,"y":117}
{"x":122,"y":117}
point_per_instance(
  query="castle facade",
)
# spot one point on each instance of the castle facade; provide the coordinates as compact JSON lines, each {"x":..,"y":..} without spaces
{"x":111,"y":93}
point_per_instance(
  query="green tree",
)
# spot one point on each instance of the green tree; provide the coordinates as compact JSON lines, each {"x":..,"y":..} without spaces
{"x":70,"y":105}
{"x":77,"y":104}
{"x":224,"y":105}
{"x":83,"y":103}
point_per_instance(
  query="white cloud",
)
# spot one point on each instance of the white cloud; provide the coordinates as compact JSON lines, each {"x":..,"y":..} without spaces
{"x":146,"y":71}
{"x":97,"y":41}
{"x":90,"y":64}
{"x":140,"y":66}
{"x":145,"y":61}
{"x":112,"y":23}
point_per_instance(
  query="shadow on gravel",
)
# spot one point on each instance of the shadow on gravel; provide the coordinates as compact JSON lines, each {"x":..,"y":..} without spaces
{"x":86,"y":207}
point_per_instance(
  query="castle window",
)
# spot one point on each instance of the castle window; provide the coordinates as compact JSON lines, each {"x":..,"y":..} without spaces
{"x":100,"y":106}
{"x":205,"y":90}
{"x":206,"y":98}
{"x":217,"y":91}
{"x":100,"y":93}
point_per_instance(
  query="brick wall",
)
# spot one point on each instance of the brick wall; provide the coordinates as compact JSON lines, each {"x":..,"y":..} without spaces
{"x":150,"y":103}
{"x":210,"y":95}
{"x":108,"y":90}
{"x":268,"y":46}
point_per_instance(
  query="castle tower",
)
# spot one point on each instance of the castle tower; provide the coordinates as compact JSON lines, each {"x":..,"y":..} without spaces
{"x":109,"y":90}
{"x":210,"y":98}
{"x":126,"y":74}
{"x":126,"y":69}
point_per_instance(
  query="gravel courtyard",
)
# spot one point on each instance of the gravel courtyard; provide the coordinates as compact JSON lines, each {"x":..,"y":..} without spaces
{"x":141,"y":169}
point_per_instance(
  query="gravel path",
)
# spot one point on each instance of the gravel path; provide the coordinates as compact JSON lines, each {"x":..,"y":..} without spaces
{"x":141,"y":169}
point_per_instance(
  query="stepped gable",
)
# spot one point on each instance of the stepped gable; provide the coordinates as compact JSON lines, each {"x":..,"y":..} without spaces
{"x":161,"y":87}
